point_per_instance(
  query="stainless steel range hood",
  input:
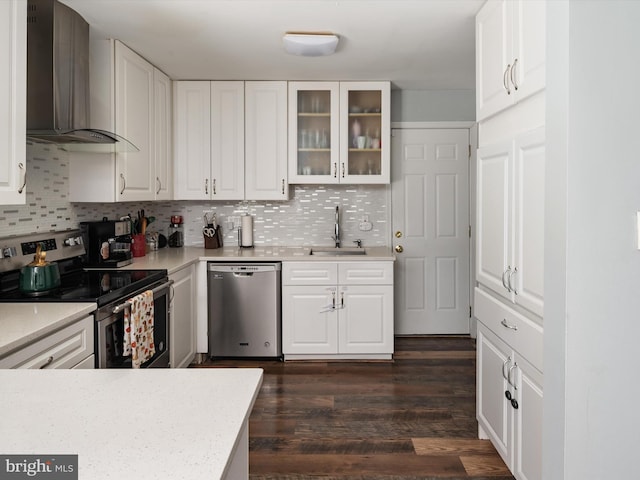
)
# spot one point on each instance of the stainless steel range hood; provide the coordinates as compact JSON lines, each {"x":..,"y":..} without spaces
{"x":58,"y":81}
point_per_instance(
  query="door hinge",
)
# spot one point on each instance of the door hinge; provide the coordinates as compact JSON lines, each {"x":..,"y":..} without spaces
{"x":469,"y":151}
{"x":469,"y":311}
{"x":469,"y":231}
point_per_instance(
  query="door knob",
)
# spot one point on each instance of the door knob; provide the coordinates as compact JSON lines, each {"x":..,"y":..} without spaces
{"x":399,"y":249}
{"x":398,"y":234}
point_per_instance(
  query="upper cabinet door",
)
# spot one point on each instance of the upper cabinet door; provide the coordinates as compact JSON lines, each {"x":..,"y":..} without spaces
{"x":163,"y":108}
{"x":510,"y":53}
{"x":192,"y":140}
{"x":266,"y":141}
{"x":365,"y":132}
{"x":134,"y":93}
{"x":493,"y":57}
{"x":227,"y":140}
{"x":314,"y":134}
{"x":13,"y":106}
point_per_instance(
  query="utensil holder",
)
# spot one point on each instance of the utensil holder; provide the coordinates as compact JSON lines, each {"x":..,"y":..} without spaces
{"x":138,"y":245}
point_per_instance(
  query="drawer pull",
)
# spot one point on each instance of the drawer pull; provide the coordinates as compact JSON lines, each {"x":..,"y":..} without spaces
{"x":47,"y":363}
{"x":506,"y":325}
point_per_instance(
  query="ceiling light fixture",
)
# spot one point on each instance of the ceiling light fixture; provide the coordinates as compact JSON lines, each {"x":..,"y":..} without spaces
{"x":310,"y":44}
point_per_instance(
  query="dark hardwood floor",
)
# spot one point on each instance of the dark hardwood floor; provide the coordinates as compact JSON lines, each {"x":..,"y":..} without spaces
{"x":413,"y":418}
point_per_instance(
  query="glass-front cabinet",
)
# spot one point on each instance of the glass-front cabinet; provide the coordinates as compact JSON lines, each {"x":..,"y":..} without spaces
{"x":313,"y":132}
{"x":339,"y":132}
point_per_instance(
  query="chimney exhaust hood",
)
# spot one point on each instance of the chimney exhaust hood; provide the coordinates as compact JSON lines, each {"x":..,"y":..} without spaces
{"x":58,"y":81}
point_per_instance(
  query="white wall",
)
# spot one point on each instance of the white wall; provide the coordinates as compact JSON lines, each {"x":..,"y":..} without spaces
{"x":432,"y":105}
{"x":592,"y":265}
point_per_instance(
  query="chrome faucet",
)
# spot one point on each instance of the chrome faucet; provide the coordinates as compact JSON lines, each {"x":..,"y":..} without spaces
{"x":336,"y":228}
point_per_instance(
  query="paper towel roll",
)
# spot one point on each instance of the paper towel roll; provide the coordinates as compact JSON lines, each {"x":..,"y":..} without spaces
{"x":247,"y":231}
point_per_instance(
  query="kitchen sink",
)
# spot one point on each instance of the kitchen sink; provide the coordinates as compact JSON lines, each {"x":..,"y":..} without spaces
{"x":331,"y":251}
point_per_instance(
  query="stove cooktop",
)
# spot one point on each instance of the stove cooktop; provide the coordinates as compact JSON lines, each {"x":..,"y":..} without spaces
{"x":100,"y":286}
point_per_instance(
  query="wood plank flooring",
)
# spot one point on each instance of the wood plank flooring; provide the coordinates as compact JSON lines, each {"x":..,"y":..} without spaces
{"x":413,"y":418}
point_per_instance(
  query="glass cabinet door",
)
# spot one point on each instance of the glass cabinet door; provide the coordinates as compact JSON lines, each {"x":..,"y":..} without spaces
{"x":365,"y":132}
{"x":313,"y":132}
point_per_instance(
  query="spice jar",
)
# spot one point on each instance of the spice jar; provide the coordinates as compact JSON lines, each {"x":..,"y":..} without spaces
{"x":176,"y":231}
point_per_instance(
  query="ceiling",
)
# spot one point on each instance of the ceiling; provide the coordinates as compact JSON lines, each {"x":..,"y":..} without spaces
{"x":417,"y":44}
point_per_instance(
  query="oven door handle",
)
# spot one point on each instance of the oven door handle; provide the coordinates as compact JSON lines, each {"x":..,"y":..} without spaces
{"x":121,"y":306}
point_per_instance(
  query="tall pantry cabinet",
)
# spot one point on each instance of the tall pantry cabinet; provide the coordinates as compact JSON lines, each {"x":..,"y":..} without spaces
{"x":508,"y":298}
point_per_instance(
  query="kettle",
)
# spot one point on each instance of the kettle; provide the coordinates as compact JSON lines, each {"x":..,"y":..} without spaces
{"x":39,"y":277}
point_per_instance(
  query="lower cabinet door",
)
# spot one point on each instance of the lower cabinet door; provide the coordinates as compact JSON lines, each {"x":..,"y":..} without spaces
{"x":528,"y":423}
{"x":365,"y":323}
{"x":182,"y":335}
{"x":494,"y":411}
{"x":309,"y":320}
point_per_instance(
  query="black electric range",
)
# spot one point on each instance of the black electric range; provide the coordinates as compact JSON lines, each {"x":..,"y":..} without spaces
{"x":78,"y":284}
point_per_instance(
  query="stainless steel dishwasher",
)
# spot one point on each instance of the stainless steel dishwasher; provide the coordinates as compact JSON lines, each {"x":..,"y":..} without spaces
{"x":244,"y":305}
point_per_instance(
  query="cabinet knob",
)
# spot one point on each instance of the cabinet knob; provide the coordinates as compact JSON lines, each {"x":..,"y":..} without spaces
{"x":399,"y":249}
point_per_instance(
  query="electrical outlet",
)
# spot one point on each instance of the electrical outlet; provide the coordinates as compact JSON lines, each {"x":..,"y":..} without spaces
{"x":365,"y":224}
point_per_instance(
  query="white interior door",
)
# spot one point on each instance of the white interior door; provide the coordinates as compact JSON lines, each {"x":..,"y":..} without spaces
{"x":430,"y":188}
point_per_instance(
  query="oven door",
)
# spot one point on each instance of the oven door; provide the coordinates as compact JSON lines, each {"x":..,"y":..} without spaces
{"x":109,"y":337}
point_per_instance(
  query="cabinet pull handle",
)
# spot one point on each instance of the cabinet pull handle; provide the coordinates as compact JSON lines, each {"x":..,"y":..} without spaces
{"x":124,"y":183}
{"x":512,"y":75}
{"x":504,"y":365}
{"x":24,"y":179}
{"x":505,"y":276}
{"x":341,"y":299}
{"x":343,"y":170}
{"x":515,"y":365}
{"x":504,"y":79}
{"x":506,"y":325}
{"x":206,"y":186}
{"x":513,"y":272}
{"x":335,"y":170}
{"x":47,"y":363}
{"x":159,"y":183}
{"x":333,"y":300}
{"x":213,"y":186}
{"x":283,"y":186}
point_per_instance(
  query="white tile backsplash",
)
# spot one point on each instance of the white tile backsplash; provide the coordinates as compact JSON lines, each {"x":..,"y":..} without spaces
{"x":306,"y":219}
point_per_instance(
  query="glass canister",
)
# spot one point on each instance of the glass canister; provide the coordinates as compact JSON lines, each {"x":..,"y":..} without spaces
{"x":176,"y":231}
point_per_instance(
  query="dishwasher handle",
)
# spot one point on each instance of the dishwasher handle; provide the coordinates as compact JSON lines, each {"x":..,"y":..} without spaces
{"x":243,"y":274}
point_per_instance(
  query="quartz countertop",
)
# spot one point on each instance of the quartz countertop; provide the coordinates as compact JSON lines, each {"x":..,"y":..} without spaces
{"x":173,"y":259}
{"x":24,"y":323}
{"x":142,"y":424}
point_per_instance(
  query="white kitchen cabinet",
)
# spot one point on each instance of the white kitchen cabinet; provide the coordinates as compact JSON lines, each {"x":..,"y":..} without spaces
{"x":133,"y":99}
{"x":182,"y":326}
{"x":337,"y":310}
{"x":510,"y":53}
{"x":509,"y":405}
{"x":227,"y":141}
{"x":510,"y":219}
{"x":339,"y":132}
{"x":13,"y":101}
{"x":163,"y":134}
{"x":230,"y":141}
{"x":70,"y":347}
{"x":209,"y":145}
{"x":314,"y":133}
{"x":266,"y":141}
{"x":365,"y":132}
{"x":134,"y":117}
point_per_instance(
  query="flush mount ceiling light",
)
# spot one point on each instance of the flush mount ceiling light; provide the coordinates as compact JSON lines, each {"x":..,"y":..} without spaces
{"x":310,"y":44}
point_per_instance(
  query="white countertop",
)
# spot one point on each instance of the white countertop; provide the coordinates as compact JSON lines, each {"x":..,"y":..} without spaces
{"x":129,"y":424}
{"x":173,"y":259}
{"x":23,"y":323}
